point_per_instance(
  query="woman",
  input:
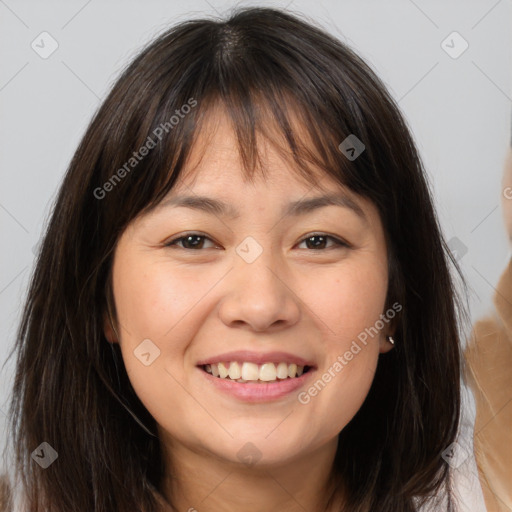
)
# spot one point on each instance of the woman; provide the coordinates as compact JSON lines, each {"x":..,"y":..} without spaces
{"x":247,"y":205}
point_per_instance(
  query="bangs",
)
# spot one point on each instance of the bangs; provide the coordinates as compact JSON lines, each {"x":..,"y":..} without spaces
{"x":282,"y":122}
{"x":303,"y":113}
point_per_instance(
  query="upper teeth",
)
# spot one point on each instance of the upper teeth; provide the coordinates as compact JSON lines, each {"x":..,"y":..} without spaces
{"x":244,"y":372}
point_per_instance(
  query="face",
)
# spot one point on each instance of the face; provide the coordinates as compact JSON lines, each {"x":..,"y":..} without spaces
{"x":270,"y":276}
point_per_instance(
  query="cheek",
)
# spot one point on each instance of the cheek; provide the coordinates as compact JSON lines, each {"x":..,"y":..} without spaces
{"x":334,"y":398}
{"x":152,"y":300}
{"x":349,"y":307}
{"x":159,"y":304}
{"x":342,"y":382}
{"x":349,"y":301}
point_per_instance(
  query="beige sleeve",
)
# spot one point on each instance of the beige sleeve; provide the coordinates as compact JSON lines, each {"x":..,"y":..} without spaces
{"x":489,"y":372}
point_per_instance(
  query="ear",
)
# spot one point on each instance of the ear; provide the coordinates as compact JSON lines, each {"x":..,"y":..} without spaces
{"x":393,"y":324}
{"x":108,"y":329}
{"x":384,"y":345}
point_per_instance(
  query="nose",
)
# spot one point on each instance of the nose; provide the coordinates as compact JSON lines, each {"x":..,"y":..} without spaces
{"x":258,"y":296}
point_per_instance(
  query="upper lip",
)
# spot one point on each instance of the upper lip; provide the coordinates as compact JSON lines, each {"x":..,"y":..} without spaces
{"x":257,"y":358}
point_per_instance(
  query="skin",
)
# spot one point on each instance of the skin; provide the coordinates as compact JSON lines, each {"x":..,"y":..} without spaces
{"x":195,"y":303}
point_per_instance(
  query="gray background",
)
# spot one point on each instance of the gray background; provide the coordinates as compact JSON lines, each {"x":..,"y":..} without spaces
{"x":458,"y":109}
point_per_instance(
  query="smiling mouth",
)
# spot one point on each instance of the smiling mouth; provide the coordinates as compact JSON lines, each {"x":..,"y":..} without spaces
{"x":251,"y":373}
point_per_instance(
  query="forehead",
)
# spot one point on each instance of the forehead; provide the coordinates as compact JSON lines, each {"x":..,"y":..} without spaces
{"x":216,"y":179}
{"x":213,"y":180}
{"x":215,"y":161}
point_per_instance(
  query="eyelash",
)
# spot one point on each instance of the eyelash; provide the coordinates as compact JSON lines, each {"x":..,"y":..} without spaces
{"x":338,"y":242}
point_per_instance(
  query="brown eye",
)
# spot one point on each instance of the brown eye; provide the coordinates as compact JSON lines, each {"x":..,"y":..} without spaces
{"x":318,"y":241}
{"x":190,"y":241}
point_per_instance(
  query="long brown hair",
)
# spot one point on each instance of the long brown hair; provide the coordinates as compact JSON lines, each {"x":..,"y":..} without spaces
{"x":71,"y":389}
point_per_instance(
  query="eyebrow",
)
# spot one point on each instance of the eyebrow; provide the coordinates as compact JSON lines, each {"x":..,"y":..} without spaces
{"x":294,"y":208}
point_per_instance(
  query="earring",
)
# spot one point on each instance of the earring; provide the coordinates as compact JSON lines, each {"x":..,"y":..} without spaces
{"x":390,"y":339}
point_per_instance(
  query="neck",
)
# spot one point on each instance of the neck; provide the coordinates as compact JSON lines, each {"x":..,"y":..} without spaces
{"x":200,"y":482}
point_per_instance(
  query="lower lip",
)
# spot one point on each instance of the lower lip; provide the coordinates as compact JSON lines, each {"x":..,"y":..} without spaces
{"x":258,"y":392}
